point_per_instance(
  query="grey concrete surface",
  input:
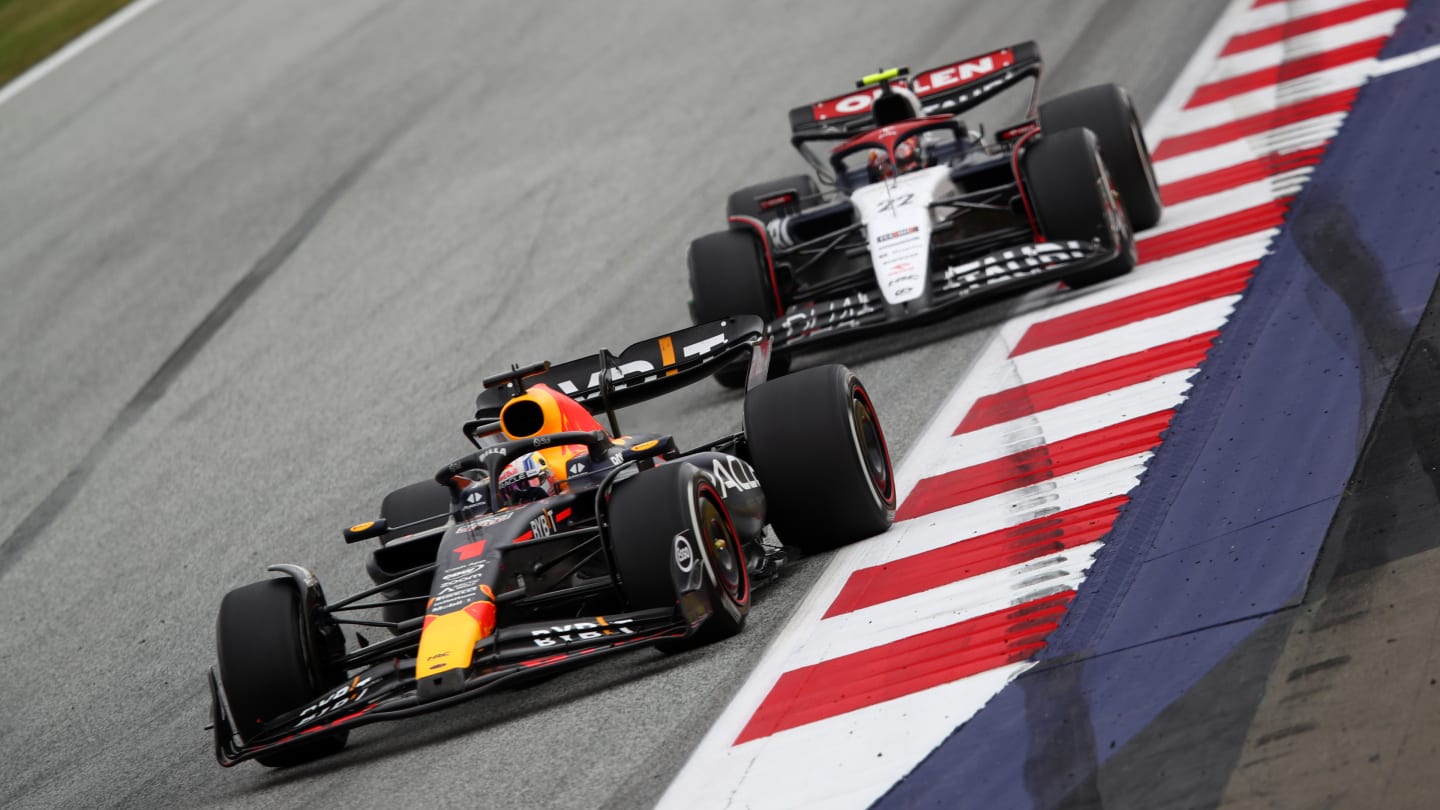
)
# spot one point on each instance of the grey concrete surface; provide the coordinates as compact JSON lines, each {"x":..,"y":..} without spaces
{"x":1347,"y":719}
{"x":254,"y":259}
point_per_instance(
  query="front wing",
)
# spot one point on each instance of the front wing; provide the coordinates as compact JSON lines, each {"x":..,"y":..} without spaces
{"x":951,"y":288}
{"x":386,"y":691}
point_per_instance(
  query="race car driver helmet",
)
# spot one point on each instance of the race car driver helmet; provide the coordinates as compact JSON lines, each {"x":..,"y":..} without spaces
{"x":878,"y":166}
{"x":909,"y":156}
{"x":526,"y":479}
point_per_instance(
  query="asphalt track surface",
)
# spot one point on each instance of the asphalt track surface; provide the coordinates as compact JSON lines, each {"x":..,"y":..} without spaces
{"x":255,"y":259}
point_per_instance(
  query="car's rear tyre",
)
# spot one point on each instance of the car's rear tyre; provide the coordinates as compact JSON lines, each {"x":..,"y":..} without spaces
{"x":1107,"y":111}
{"x":273,"y":659}
{"x":1073,"y":199}
{"x":729,"y":276}
{"x":650,"y":515}
{"x":820,"y":454}
{"x":746,"y":201}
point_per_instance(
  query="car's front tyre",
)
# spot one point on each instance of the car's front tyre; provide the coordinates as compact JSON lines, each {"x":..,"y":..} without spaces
{"x":663,"y":524}
{"x":1074,"y":199}
{"x":273,"y":659}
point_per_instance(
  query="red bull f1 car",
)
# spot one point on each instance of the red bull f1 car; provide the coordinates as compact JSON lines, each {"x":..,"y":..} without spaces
{"x":556,"y":542}
{"x":913,"y":212}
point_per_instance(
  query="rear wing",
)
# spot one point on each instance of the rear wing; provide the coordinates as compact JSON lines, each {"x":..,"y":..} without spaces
{"x":646,"y":369}
{"x":949,"y":89}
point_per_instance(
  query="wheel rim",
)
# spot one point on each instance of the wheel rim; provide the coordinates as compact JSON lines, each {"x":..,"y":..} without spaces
{"x":1115,"y":206}
{"x":870,"y":444}
{"x":1143,"y":155}
{"x":717,"y":537}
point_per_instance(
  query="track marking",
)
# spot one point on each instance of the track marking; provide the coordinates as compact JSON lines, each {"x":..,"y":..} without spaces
{"x":76,"y":47}
{"x":1407,"y":61}
{"x":1012,"y":487}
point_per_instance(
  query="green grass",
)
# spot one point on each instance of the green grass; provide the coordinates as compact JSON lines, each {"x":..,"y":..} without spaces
{"x":31,"y":30}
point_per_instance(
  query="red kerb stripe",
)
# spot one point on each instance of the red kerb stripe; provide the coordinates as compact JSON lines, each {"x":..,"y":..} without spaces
{"x":1340,"y":101}
{"x":1204,"y":185}
{"x":947,"y":654}
{"x":1285,"y":71}
{"x":1134,"y":308}
{"x":1034,"y":465}
{"x":1083,"y":383}
{"x":1204,"y":234}
{"x":976,"y":555}
{"x":1261,"y":37}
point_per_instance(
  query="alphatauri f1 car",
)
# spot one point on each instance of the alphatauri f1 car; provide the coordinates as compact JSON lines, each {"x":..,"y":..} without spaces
{"x":919,"y":212}
{"x":554,"y":543}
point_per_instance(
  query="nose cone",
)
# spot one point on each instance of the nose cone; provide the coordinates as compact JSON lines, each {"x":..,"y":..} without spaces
{"x":447,"y":646}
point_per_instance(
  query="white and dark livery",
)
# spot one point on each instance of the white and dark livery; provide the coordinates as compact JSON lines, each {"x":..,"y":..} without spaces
{"x":554,"y":543}
{"x":914,"y":212}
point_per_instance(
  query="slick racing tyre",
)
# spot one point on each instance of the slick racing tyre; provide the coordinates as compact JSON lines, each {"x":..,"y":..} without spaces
{"x":273,"y":660}
{"x":1073,"y":199}
{"x":729,"y":276}
{"x":820,"y":455}
{"x":1107,"y":111}
{"x":746,"y":201}
{"x":650,"y":520}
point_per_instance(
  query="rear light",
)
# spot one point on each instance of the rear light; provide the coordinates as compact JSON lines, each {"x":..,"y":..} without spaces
{"x":788,"y":198}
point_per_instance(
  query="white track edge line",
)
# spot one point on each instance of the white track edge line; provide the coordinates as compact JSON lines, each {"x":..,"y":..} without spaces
{"x":74,"y":48}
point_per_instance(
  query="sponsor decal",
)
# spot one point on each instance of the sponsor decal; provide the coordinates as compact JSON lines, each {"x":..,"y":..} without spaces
{"x":350,"y":692}
{"x":1010,"y":264}
{"x":852,"y":104}
{"x":942,"y":78}
{"x":622,"y":376}
{"x":703,"y":346}
{"x":962,"y":99}
{"x":817,"y":319}
{"x":580,"y":631}
{"x":484,"y":522}
{"x":684,"y":555}
{"x":886,"y":237}
{"x":733,"y":475}
{"x":459,"y":587}
{"x":935,"y":80}
{"x":1015,"y":132}
{"x":543,"y":525}
{"x":899,"y":257}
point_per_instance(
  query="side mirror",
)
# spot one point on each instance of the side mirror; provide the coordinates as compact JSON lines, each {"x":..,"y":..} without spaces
{"x":366,"y":530}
